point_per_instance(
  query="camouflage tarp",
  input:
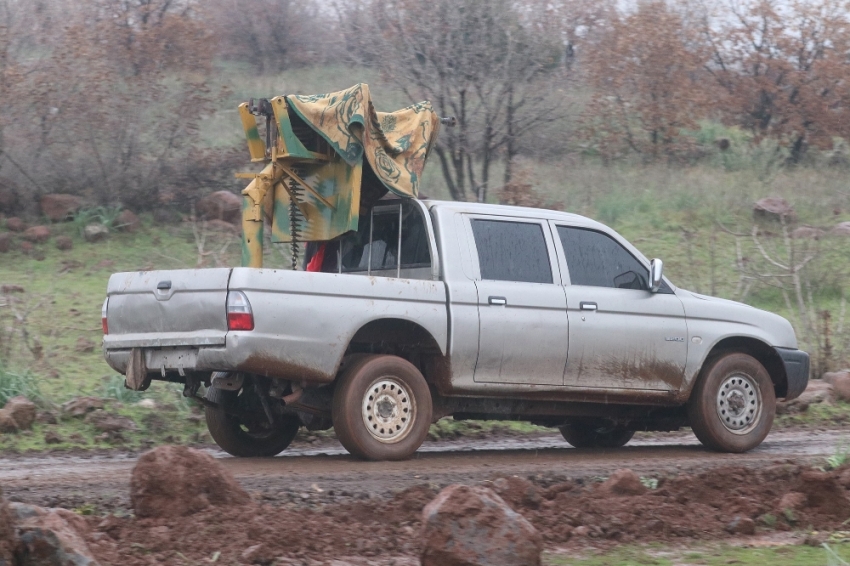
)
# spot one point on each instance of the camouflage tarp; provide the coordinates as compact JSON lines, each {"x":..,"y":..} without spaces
{"x":396,"y":144}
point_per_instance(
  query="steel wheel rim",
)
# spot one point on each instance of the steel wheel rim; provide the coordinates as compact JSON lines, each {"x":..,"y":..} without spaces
{"x":739,"y":403}
{"x":388,"y":410}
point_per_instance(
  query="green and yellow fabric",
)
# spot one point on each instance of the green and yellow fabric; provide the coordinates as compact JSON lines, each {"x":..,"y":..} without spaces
{"x":396,"y":144}
{"x":316,"y":193}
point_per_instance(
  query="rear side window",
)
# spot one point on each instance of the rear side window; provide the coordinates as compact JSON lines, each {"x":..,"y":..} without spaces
{"x":376,"y":247}
{"x":512,"y":251}
{"x":597,"y":260}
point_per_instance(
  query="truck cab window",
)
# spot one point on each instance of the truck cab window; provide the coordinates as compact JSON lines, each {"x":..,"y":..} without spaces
{"x":597,"y":260}
{"x":375,"y":248}
{"x":512,"y":251}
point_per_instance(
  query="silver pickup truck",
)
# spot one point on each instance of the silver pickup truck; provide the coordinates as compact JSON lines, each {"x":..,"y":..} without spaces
{"x":434,"y":309}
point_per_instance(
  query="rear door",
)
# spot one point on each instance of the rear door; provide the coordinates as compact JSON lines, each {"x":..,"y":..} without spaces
{"x":523,"y":325}
{"x":621,"y":335}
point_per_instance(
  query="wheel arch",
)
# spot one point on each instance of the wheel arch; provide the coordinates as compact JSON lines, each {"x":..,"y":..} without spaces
{"x":403,"y":338}
{"x":761,"y":351}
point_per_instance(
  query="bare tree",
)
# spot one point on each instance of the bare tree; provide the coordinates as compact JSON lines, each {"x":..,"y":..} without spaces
{"x":645,"y":72}
{"x":273,"y":35}
{"x":482,"y":62}
{"x":784,"y":68}
{"x":805,"y":271}
{"x":113,"y":99}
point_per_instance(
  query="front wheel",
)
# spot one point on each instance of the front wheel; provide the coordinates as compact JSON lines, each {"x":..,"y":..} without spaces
{"x":381,"y":408}
{"x":587,"y":436}
{"x":251,"y":436}
{"x":733,"y":403}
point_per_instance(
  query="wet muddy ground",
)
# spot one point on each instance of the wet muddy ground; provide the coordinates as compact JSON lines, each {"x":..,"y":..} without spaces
{"x":313,"y":476}
{"x":318,"y":506}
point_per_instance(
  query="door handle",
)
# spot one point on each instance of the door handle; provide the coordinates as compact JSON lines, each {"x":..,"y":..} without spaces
{"x":588,"y":306}
{"x":497,"y":301}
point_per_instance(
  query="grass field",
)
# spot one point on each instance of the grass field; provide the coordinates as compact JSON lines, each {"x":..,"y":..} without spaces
{"x":835,"y":554}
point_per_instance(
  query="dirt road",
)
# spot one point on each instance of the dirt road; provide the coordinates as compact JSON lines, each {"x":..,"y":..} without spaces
{"x":310,"y":476}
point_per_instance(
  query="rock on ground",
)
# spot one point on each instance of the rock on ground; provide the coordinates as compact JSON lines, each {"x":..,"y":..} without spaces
{"x":830,"y":376}
{"x":80,"y":406}
{"x":174,"y":481}
{"x":15,"y":224}
{"x":127,"y":221}
{"x":37,"y":234}
{"x":221,"y":205}
{"x":807,"y":233}
{"x":8,"y":540}
{"x":841,"y":387}
{"x":773,"y":208}
{"x":64,"y":243}
{"x":108,"y":422}
{"x":818,"y":391}
{"x":624,"y":482}
{"x":59,"y":207}
{"x":841,"y":229}
{"x":53,"y":437}
{"x":95,"y":232}
{"x":471,"y":526}
{"x":50,"y":537}
{"x":21,"y":411}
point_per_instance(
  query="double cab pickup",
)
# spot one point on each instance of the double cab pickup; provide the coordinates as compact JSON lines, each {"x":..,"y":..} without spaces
{"x":434,"y":309}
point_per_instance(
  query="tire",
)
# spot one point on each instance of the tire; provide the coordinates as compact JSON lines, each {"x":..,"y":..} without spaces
{"x":247,"y":440}
{"x":381,"y":408}
{"x":733,"y":403}
{"x":587,"y":436}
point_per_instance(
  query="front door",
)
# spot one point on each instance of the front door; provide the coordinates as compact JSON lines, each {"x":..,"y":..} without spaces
{"x":523,"y":325}
{"x":621,"y":335}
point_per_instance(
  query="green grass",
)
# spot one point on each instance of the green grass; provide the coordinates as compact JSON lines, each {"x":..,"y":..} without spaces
{"x":714,"y":555}
{"x":448,"y":428}
{"x":819,"y":414}
{"x":19,"y":383}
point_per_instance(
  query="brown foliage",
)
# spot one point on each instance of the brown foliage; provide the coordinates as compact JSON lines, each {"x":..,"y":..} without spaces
{"x":784,"y":68}
{"x":646,"y":78}
{"x":112,"y":99}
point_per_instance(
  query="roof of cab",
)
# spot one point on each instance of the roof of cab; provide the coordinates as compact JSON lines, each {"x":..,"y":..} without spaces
{"x":514,"y":211}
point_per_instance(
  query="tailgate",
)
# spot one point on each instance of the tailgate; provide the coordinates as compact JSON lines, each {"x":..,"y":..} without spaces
{"x":184,"y":307}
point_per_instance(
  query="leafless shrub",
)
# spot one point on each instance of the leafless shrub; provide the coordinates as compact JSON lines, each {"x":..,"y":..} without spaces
{"x":804,"y":272}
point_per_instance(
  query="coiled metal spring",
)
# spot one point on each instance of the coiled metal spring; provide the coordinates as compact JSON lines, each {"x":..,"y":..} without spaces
{"x":295,"y":218}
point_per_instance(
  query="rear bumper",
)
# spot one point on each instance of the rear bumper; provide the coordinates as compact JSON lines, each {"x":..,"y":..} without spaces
{"x":239,"y":352}
{"x":796,"y":364}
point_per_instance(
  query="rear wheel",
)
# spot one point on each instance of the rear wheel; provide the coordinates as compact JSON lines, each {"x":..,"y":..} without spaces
{"x":249,"y":436}
{"x":588,"y":436}
{"x":733,"y":403}
{"x":381,"y":408}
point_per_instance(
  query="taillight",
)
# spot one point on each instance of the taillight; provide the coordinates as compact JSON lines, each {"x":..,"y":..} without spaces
{"x":103,"y":316}
{"x":239,"y":314}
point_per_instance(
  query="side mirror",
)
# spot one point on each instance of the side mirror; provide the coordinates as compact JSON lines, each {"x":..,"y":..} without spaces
{"x":656,"y":268}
